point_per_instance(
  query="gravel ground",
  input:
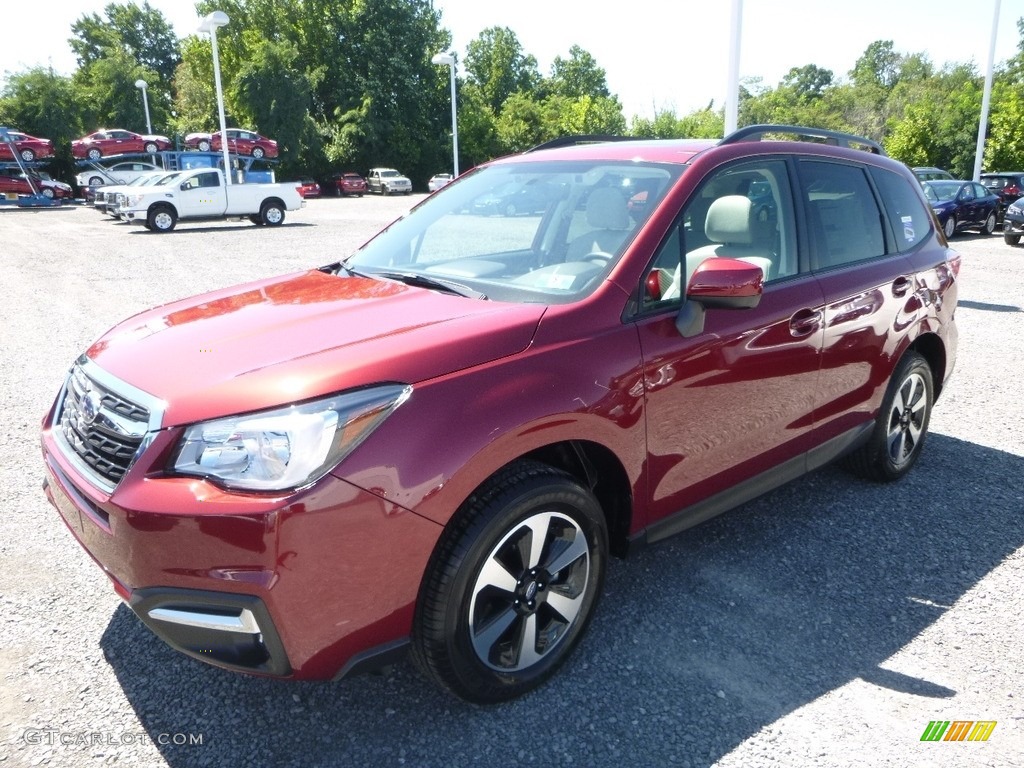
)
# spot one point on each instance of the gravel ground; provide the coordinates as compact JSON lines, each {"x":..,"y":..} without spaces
{"x":824,"y":624}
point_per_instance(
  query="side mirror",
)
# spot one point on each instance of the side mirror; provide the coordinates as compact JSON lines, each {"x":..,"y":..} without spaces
{"x":719,"y":283}
{"x":184,"y":186}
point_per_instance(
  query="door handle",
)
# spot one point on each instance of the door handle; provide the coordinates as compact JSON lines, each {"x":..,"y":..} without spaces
{"x":900,"y":286}
{"x":804,"y":322}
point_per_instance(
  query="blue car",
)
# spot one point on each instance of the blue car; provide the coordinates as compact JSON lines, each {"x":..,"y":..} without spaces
{"x":961,"y":205}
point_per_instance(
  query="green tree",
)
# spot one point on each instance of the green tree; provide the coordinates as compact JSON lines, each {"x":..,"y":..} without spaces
{"x":42,"y":103}
{"x":577,"y":76}
{"x":496,"y":63}
{"x":142,"y":32}
{"x":808,"y":82}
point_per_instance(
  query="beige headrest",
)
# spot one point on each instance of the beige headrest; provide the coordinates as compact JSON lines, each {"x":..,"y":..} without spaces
{"x":728,"y":220}
{"x":606,"y":209}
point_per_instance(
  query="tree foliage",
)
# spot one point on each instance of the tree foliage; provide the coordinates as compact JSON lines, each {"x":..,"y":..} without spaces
{"x":349,"y":84}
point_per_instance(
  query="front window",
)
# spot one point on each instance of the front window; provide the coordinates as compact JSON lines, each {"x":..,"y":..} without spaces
{"x":544,"y":232}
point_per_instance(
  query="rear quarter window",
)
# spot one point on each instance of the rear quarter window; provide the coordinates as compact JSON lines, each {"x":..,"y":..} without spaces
{"x":910,"y":220}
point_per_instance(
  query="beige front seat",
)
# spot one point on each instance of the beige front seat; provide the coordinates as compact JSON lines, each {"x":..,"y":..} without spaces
{"x":608,"y":214}
{"x":734,"y":232}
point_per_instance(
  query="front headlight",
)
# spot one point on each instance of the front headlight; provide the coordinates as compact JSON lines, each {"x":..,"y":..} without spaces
{"x":131,"y":201}
{"x":286,"y":447}
{"x":1015,"y":208}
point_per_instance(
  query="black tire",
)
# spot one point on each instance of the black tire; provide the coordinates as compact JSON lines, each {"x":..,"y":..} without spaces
{"x":990,"y":224}
{"x":204,"y":145}
{"x":161,"y":218}
{"x":901,"y":426}
{"x":258,"y":153}
{"x":46,"y":192}
{"x":151,"y":147}
{"x":949,"y":228}
{"x":1011,"y":239}
{"x":94,"y":154}
{"x":95,"y":181}
{"x":27,"y":155}
{"x":385,"y":191}
{"x":489,"y":587}
{"x":272,"y":214}
{"x":255,"y":219}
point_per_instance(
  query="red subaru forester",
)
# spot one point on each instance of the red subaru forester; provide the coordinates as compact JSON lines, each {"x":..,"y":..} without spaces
{"x":438,"y":442}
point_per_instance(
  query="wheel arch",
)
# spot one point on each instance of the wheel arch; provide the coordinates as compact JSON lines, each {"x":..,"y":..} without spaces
{"x":273,"y":201}
{"x":931,"y":348}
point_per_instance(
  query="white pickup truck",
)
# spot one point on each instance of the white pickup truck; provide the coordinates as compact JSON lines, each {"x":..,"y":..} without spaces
{"x":201,"y":194}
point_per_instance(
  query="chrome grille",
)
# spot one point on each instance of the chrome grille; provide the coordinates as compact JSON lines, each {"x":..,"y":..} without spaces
{"x":102,"y":429}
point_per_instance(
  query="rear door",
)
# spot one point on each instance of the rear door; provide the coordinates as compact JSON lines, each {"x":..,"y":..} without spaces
{"x":866,"y":283}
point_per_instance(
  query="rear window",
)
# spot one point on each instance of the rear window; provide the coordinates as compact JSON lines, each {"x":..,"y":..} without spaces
{"x":910,"y":219}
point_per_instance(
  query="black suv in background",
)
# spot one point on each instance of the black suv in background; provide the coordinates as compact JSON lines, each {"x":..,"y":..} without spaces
{"x":1008,"y":185}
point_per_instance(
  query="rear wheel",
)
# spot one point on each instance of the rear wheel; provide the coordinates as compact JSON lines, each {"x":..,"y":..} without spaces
{"x":990,"y":224}
{"x":161,"y":218}
{"x":901,"y":426}
{"x":272,"y":214}
{"x":258,"y":153}
{"x":27,"y":155}
{"x":512,"y":585}
{"x":949,"y":228}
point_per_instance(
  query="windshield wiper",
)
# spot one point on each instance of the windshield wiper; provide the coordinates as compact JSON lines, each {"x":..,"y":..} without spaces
{"x":424,"y":281}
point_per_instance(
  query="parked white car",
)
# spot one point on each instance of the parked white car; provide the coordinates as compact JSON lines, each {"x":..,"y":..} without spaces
{"x":388,"y":181}
{"x":119,"y":173}
{"x":202,"y":194}
{"x":438,"y":180}
{"x":103,"y":197}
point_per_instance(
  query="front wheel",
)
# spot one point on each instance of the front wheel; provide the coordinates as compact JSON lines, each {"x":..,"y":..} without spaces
{"x":94,"y":154}
{"x":901,"y":426}
{"x":46,"y":192}
{"x":512,"y":586}
{"x":1011,"y":239}
{"x":272,"y":214}
{"x":949,"y":228}
{"x":161,"y":218}
{"x":95,"y":181}
{"x":990,"y":224}
{"x":204,"y":146}
{"x":151,"y":147}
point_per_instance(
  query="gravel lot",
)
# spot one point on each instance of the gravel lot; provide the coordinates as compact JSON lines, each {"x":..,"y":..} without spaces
{"x":822,"y":625}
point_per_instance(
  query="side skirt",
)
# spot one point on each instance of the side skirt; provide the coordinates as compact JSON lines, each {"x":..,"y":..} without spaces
{"x":750,"y":489}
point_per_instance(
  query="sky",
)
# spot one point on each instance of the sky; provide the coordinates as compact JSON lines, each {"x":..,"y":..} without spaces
{"x":657,"y":54}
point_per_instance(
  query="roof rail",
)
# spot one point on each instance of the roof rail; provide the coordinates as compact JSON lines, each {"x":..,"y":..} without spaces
{"x":802,"y":133}
{"x":571,"y":141}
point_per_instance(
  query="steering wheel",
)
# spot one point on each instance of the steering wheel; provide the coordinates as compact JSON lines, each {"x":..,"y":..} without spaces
{"x":598,"y":257}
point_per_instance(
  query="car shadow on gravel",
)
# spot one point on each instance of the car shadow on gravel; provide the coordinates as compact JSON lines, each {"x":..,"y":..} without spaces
{"x":698,"y":644}
{"x":193,"y":230}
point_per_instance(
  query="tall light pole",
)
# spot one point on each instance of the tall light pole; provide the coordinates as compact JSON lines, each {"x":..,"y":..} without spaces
{"x":732,"y":85}
{"x":448,"y":59}
{"x":141,"y":85}
{"x":209,"y":25}
{"x":986,"y":95}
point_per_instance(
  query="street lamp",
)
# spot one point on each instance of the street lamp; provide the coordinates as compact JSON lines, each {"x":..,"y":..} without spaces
{"x":448,"y":59}
{"x":141,"y":85}
{"x":209,"y":25}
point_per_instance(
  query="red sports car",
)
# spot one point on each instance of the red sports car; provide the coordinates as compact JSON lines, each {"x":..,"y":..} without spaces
{"x":240,"y":141}
{"x":29,"y":148}
{"x":104,"y":143}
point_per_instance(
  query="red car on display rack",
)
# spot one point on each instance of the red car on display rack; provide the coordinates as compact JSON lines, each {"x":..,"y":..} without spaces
{"x":107,"y":142}
{"x":29,"y":148}
{"x":16,"y":182}
{"x":437,"y":442}
{"x":241,"y":142}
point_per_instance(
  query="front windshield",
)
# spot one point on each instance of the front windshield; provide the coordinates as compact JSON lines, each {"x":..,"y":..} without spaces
{"x":941,"y":192}
{"x":544,"y":232}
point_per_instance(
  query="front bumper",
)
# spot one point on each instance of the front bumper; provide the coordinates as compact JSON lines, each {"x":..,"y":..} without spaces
{"x":1013,"y":223}
{"x":301,"y":585}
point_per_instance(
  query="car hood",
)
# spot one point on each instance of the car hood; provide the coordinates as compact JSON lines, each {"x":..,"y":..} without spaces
{"x":300,"y":336}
